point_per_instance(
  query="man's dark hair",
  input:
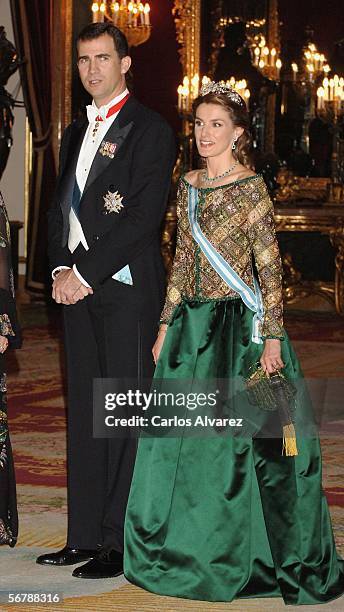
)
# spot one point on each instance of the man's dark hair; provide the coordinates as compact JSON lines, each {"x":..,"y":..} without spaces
{"x":94,"y":30}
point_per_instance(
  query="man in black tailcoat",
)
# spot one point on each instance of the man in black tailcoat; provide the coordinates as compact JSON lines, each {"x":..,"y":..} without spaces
{"x":104,"y":249}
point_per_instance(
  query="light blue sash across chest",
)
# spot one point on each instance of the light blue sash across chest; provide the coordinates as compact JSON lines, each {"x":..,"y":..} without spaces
{"x":251,"y":298}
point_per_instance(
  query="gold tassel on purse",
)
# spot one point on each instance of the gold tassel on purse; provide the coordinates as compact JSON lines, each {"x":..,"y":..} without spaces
{"x":289,"y":441}
{"x":275,"y":392}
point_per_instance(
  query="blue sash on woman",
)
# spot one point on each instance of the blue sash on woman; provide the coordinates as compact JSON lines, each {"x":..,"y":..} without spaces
{"x":252,"y":299}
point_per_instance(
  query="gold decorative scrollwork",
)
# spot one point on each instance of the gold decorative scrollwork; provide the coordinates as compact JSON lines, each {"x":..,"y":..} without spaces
{"x":187,"y":18}
{"x":273,"y":31}
{"x":62,"y":70}
{"x":293,"y":187}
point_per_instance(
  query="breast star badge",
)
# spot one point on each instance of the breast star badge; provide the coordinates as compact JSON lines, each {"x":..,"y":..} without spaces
{"x":113,"y":202}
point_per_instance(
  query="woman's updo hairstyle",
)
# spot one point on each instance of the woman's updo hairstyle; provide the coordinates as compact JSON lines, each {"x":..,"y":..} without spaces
{"x":233,"y":103}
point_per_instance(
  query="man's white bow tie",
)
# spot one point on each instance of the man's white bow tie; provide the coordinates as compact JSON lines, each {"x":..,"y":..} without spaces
{"x":93,"y":112}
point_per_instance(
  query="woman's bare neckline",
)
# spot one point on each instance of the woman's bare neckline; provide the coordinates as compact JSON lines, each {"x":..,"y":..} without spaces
{"x":228,"y":184}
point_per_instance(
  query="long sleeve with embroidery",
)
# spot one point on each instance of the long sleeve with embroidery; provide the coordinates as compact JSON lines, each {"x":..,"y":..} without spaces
{"x":177,"y":278}
{"x":238,"y":221}
{"x":268,"y":262}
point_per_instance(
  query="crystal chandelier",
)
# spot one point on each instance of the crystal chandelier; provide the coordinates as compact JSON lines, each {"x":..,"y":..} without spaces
{"x":132,"y":18}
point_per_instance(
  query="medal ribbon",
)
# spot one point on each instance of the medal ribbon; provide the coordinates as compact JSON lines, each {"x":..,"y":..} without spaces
{"x":113,"y":109}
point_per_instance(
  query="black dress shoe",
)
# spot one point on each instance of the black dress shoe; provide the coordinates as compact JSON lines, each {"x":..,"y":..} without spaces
{"x":107,"y":564}
{"x":66,"y":556}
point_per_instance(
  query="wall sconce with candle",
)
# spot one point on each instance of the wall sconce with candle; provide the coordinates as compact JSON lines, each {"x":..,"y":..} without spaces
{"x":266,"y":59}
{"x":331,"y":95}
{"x":315,"y":62}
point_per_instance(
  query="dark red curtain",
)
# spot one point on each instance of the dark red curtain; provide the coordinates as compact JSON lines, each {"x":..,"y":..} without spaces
{"x":32,"y":23}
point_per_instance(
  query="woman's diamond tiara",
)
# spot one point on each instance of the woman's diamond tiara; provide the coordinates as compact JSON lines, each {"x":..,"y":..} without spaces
{"x":222,"y":88}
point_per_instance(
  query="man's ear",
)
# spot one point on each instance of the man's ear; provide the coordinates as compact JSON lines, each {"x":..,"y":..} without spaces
{"x":125,"y":64}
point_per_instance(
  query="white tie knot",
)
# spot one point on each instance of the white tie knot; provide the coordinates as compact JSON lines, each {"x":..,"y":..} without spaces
{"x":93,"y":112}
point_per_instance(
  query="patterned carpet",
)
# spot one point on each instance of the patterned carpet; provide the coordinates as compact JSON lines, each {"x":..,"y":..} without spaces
{"x":37,"y":423}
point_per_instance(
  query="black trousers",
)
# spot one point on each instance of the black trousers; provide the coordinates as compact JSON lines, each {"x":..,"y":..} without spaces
{"x":107,"y":335}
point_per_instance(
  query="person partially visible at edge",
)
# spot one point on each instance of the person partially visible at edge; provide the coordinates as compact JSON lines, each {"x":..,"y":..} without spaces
{"x":10,"y":337}
{"x":222,"y":516}
{"x":104,"y":250}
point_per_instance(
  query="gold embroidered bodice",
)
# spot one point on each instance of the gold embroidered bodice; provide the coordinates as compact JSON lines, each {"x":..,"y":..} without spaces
{"x":238,"y":221}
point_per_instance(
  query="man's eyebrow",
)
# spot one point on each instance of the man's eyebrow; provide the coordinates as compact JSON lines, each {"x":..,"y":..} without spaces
{"x":98,"y":55}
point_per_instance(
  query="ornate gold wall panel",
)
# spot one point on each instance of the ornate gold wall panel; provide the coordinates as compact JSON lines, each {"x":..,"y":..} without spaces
{"x":273,"y":40}
{"x":273,"y":32}
{"x":187,"y":17}
{"x":62,"y":75}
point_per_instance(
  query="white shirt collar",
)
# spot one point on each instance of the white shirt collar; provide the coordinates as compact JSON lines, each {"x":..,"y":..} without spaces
{"x":103,"y":110}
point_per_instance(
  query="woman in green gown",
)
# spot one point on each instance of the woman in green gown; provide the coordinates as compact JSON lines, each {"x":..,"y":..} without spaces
{"x":218,"y":517}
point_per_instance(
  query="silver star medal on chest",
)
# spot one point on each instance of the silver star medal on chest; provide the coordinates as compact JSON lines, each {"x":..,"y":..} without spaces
{"x":113,"y":202}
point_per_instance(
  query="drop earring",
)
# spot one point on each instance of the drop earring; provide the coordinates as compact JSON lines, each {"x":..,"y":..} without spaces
{"x":234,"y":143}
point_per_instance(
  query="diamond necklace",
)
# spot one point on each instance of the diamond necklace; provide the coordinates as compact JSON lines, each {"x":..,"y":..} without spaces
{"x":207,"y":179}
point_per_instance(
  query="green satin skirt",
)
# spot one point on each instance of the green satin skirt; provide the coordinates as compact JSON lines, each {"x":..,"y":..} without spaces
{"x":225,"y":517}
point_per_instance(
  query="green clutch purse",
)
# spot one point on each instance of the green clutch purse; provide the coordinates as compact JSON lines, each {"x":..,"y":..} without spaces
{"x":274,"y":392}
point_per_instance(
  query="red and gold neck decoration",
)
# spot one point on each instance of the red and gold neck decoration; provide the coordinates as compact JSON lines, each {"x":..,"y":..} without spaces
{"x":132,"y":18}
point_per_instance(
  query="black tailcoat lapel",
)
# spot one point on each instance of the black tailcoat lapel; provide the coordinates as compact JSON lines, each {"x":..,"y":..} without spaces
{"x":116,"y":134}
